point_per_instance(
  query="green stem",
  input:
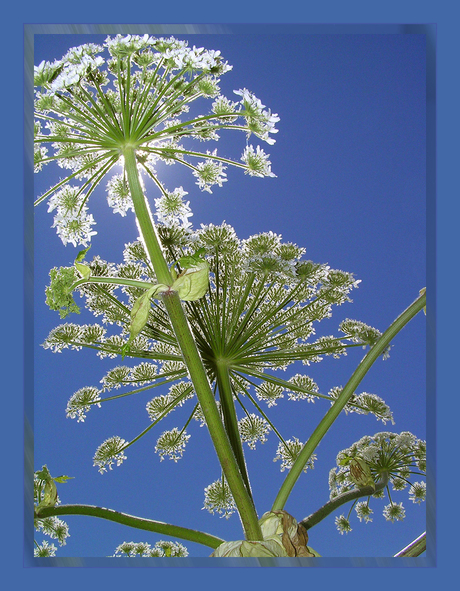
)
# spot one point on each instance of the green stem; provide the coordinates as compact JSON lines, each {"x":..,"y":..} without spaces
{"x":415,"y":548}
{"x":131,"y":521}
{"x":344,"y":397}
{"x":145,"y":220}
{"x":346,"y":497}
{"x":208,"y":405}
{"x":230,"y":418}
{"x":190,"y":353}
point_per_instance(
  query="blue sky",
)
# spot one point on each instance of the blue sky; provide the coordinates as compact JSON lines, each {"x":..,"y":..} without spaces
{"x":350,"y":188}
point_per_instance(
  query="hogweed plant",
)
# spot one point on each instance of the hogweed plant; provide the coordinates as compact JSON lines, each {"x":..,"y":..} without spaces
{"x":206,"y":316}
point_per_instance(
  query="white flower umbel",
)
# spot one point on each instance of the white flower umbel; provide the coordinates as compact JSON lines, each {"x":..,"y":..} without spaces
{"x":55,"y":528}
{"x":417,"y":492}
{"x":394,"y":512}
{"x":161,"y":549}
{"x":363,"y":511}
{"x":172,"y":444}
{"x":253,"y":428}
{"x":390,"y":457}
{"x":257,"y":162}
{"x":342,"y":524}
{"x":81,"y":402}
{"x":218,"y":499}
{"x":118,"y":196}
{"x":109,"y":452}
{"x":210,"y":173}
{"x":45,"y":550}
{"x":133,"y":92}
{"x":171,"y":209}
{"x":288,"y":452}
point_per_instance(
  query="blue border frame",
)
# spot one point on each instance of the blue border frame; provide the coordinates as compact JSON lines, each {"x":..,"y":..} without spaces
{"x":430,"y":31}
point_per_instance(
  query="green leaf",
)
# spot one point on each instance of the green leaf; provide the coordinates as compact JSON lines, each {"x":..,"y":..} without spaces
{"x":140,"y":311}
{"x":84,"y":270}
{"x":62,"y":479}
{"x":195,"y":260}
{"x":193,"y":283}
{"x":81,"y":255}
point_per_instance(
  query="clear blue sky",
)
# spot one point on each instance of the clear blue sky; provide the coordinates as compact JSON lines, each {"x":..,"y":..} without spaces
{"x":350,"y":188}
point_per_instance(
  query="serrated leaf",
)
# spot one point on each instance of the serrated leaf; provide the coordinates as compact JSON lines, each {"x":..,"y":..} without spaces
{"x":63,"y":478}
{"x":81,"y":255}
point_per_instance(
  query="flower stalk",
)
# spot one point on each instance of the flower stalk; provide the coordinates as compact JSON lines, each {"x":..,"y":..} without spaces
{"x":347,"y":392}
{"x":345,"y":497}
{"x":190,"y":353}
{"x":159,"y":527}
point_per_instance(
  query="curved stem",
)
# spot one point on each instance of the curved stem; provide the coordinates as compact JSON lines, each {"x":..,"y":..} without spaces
{"x":230,"y":418}
{"x":344,"y":397}
{"x":346,"y":497}
{"x":208,"y":405}
{"x":131,"y":521}
{"x":415,"y":548}
{"x":190,"y":353}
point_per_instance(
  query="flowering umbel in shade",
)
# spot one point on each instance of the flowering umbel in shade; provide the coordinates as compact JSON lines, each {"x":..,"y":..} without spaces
{"x":391,"y":456}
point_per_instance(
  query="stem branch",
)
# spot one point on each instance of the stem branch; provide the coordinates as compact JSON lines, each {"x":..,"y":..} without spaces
{"x":131,"y":521}
{"x":344,"y":397}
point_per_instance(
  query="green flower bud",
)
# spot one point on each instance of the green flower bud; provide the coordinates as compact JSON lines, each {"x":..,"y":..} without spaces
{"x":360,"y":473}
{"x":192,"y":283}
{"x":283,"y":537}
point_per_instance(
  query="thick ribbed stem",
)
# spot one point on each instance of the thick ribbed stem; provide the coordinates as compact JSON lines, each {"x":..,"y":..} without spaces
{"x":159,"y":527}
{"x":190,"y":353}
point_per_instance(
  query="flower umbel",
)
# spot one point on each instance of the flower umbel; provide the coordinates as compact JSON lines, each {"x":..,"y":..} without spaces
{"x":389,"y":456}
{"x":134,"y":91}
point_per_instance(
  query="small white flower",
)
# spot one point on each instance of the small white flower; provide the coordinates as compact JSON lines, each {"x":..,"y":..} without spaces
{"x":172,"y":443}
{"x":109,"y":452}
{"x":257,"y":162}
{"x":219,"y":499}
{"x":393,"y":512}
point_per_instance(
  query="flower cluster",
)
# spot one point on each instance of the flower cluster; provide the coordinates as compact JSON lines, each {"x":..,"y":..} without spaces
{"x":110,"y":451}
{"x":389,"y":456}
{"x":218,"y":498}
{"x":72,"y":220}
{"x":53,"y":527}
{"x":259,"y":319}
{"x":136,"y":90}
{"x":161,"y":549}
{"x":288,"y":451}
